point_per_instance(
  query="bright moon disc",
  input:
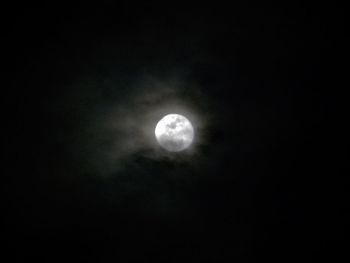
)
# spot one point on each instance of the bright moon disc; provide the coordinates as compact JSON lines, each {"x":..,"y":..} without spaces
{"x":174,"y":132}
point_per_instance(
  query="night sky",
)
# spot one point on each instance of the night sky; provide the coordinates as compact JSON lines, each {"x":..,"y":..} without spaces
{"x":86,"y":178}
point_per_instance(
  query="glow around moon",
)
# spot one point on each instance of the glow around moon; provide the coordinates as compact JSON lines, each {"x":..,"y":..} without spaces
{"x":174,"y":132}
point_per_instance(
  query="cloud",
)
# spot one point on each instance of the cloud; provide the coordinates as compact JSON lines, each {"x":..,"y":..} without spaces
{"x":117,"y":125}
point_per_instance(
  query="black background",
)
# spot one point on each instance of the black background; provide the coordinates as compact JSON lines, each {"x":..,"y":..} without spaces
{"x":270,"y":186}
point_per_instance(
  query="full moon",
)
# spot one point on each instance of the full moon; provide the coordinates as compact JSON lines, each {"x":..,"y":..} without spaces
{"x":174,"y":132}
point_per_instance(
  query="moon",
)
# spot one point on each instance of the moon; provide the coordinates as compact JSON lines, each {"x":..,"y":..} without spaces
{"x":174,"y":132}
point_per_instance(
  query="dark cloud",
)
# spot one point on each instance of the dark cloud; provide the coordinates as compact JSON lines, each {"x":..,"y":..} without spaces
{"x":108,"y":132}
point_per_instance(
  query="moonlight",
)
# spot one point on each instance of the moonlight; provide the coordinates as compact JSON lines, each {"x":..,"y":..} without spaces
{"x":174,"y":132}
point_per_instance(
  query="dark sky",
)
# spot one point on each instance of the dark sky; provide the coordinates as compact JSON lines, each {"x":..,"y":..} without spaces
{"x":88,"y":82}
